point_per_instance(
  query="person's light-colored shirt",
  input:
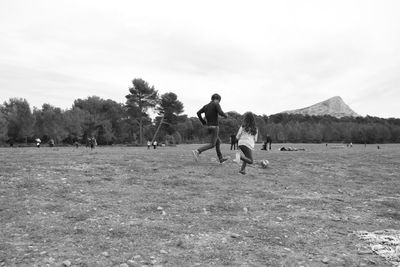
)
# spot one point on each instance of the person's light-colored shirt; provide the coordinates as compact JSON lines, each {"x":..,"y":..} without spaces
{"x":246,"y":139}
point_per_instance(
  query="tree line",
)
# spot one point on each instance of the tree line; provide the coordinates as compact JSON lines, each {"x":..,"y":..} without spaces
{"x":130,"y":123}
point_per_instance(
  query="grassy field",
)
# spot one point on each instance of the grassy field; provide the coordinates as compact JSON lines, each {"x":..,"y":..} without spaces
{"x":129,"y":206}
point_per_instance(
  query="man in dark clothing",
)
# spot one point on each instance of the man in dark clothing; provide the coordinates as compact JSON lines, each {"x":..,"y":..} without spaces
{"x":211,"y":111}
{"x":269,"y":142}
{"x":234,"y":142}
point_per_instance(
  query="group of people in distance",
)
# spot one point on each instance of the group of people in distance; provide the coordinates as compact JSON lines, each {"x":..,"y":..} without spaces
{"x":246,"y":136}
{"x":39,"y":142}
{"x":154,"y":144}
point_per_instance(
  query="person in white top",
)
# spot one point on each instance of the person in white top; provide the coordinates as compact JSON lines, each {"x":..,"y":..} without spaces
{"x":247,"y":136}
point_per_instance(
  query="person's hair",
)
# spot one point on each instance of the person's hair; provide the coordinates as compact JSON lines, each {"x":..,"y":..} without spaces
{"x":249,"y":123}
{"x":215,"y":97}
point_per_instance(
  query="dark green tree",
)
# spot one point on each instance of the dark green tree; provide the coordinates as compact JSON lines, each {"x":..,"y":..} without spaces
{"x":140,"y":99}
{"x":230,"y":125}
{"x":185,"y":128}
{"x":93,"y":106}
{"x":19,"y":118}
{"x":3,"y":127}
{"x":104,"y":118}
{"x":169,"y":108}
{"x":74,"y":120}
{"x":49,"y":123}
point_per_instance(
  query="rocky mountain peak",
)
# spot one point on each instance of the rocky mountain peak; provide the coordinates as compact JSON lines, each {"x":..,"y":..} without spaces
{"x":334,"y":106}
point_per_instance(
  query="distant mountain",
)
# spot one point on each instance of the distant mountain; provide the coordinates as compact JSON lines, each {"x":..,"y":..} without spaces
{"x":334,"y":107}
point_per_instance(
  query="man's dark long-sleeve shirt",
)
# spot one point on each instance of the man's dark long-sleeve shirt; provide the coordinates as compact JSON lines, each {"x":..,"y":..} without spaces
{"x":211,"y":110}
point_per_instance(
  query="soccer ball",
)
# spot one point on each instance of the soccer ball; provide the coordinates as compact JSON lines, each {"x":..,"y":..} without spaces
{"x":264,"y":163}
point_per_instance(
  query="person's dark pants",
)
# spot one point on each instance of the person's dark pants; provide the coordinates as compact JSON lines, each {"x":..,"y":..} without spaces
{"x":213,"y":132}
{"x":233,"y":146}
{"x":247,"y":156}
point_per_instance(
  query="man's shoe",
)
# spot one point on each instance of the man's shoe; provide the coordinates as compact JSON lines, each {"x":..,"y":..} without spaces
{"x":195,"y":154}
{"x":242,"y":172}
{"x":222,"y":160}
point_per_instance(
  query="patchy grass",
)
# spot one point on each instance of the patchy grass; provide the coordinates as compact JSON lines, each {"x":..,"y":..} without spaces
{"x":143,"y":207}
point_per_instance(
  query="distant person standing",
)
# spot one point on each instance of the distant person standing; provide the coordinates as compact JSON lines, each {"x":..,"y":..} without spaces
{"x":212,"y":110}
{"x":247,"y":136}
{"x":51,"y":142}
{"x":92,"y":142}
{"x":269,"y":142}
{"x":148,"y":144}
{"x":234,"y":142}
{"x":155,"y":144}
{"x":264,"y":146}
{"x":38,"y":142}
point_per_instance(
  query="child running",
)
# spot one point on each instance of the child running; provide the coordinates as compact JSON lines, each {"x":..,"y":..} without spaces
{"x":247,"y":136}
{"x":211,"y":110}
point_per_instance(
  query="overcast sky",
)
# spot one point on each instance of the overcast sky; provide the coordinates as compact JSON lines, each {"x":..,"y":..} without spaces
{"x":260,"y":56}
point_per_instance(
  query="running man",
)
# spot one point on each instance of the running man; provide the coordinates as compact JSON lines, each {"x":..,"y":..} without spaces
{"x":211,"y":111}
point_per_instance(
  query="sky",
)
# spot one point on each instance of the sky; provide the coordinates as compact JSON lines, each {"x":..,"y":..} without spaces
{"x":260,"y":56}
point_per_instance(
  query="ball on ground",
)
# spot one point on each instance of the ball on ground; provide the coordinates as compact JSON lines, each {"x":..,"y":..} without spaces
{"x":264,"y":163}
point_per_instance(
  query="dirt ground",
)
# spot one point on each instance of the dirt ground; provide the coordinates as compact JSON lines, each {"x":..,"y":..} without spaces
{"x":130,"y":206}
